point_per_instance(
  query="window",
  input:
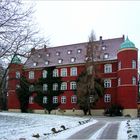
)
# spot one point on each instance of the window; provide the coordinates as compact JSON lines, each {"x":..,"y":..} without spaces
{"x":107,"y":98}
{"x":45,"y":87}
{"x":119,"y":65}
{"x":17,"y":86}
{"x":48,"y":54}
{"x":31,"y":100}
{"x":63,"y":99}
{"x":57,"y":53}
{"x":55,"y":99}
{"x":64,"y":86}
{"x":73,"y":85}
{"x":133,"y":80}
{"x":119,"y":81}
{"x":17,"y":74}
{"x":44,"y":74}
{"x":103,"y":47}
{"x":69,"y":52}
{"x":31,"y":75}
{"x":74,"y":99}
{"x":55,"y":86}
{"x":107,"y":68}
{"x":91,"y":99}
{"x":55,"y":73}
{"x":133,"y":64}
{"x":31,"y":88}
{"x":47,"y":63}
{"x":39,"y":55}
{"x":73,"y":71}
{"x":72,"y":59}
{"x":44,"y":100}
{"x":34,"y":64}
{"x":64,"y":72}
{"x":79,"y":50}
{"x":106,"y":55}
{"x":107,"y":83}
{"x":60,"y":61}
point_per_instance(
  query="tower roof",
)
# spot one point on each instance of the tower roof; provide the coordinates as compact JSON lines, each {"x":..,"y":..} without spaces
{"x":127,"y":44}
{"x":16,"y":60}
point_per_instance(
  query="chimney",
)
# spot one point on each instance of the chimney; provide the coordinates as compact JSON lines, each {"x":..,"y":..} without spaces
{"x":100,"y":38}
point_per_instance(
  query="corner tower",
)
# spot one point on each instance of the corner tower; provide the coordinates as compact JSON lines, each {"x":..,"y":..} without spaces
{"x":14,"y":73}
{"x":127,"y":89}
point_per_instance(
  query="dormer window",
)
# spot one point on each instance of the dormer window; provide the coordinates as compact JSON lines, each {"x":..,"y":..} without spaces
{"x":69,"y":52}
{"x":48,"y":54}
{"x":47,"y":62}
{"x":39,"y":55}
{"x":73,"y":59}
{"x":103,"y":47}
{"x":57,"y":53}
{"x":106,"y":56}
{"x":60,"y":61}
{"x":79,"y":50}
{"x":34,"y":64}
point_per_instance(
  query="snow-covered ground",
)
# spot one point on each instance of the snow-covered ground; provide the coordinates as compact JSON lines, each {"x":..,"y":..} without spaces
{"x":19,"y":126}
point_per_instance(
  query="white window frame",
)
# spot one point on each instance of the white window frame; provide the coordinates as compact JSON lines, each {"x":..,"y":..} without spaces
{"x":45,"y":100}
{"x":91,"y":98}
{"x":73,"y":71}
{"x":107,"y":68}
{"x":107,"y":98}
{"x":119,"y":65}
{"x":64,"y":72}
{"x":73,"y":85}
{"x":73,"y":99}
{"x":44,"y":74}
{"x":134,"y":64}
{"x":55,"y":86}
{"x":31,"y":88}
{"x":31,"y":100}
{"x":45,"y":87}
{"x":55,"y":73}
{"x":55,"y":99}
{"x":107,"y":83}
{"x":31,"y":75}
{"x":73,"y":59}
{"x":64,"y":86}
{"x":60,"y":61}
{"x":63,"y":100}
{"x":69,"y":51}
{"x":57,"y":53}
{"x":79,"y":50}
{"x":119,"y":81}
{"x":17,"y":74}
{"x":17,"y":86}
{"x":133,"y":80}
{"x":106,"y":56}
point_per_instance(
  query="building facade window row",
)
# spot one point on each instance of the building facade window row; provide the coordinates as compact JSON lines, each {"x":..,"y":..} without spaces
{"x":64,"y":86}
{"x":133,"y":64}
{"x":63,"y":73}
{"x":55,"y":99}
{"x":133,"y":81}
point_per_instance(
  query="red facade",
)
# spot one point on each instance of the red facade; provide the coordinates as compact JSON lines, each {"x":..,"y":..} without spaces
{"x":122,"y":76}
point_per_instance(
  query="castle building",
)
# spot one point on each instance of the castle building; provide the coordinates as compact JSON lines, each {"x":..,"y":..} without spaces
{"x":117,"y":67}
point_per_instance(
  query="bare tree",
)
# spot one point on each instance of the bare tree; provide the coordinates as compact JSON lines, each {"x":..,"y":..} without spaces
{"x":89,"y":85}
{"x":18,"y":33}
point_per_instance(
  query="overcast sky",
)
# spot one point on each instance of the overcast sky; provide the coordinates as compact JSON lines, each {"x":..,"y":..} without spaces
{"x":68,"y":22}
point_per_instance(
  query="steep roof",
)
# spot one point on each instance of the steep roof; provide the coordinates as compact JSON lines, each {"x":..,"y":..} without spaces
{"x":71,"y":54}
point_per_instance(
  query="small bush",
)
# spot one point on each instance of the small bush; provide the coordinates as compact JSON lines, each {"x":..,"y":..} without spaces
{"x":36,"y":135}
{"x":114,"y":110}
{"x":128,"y":131}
